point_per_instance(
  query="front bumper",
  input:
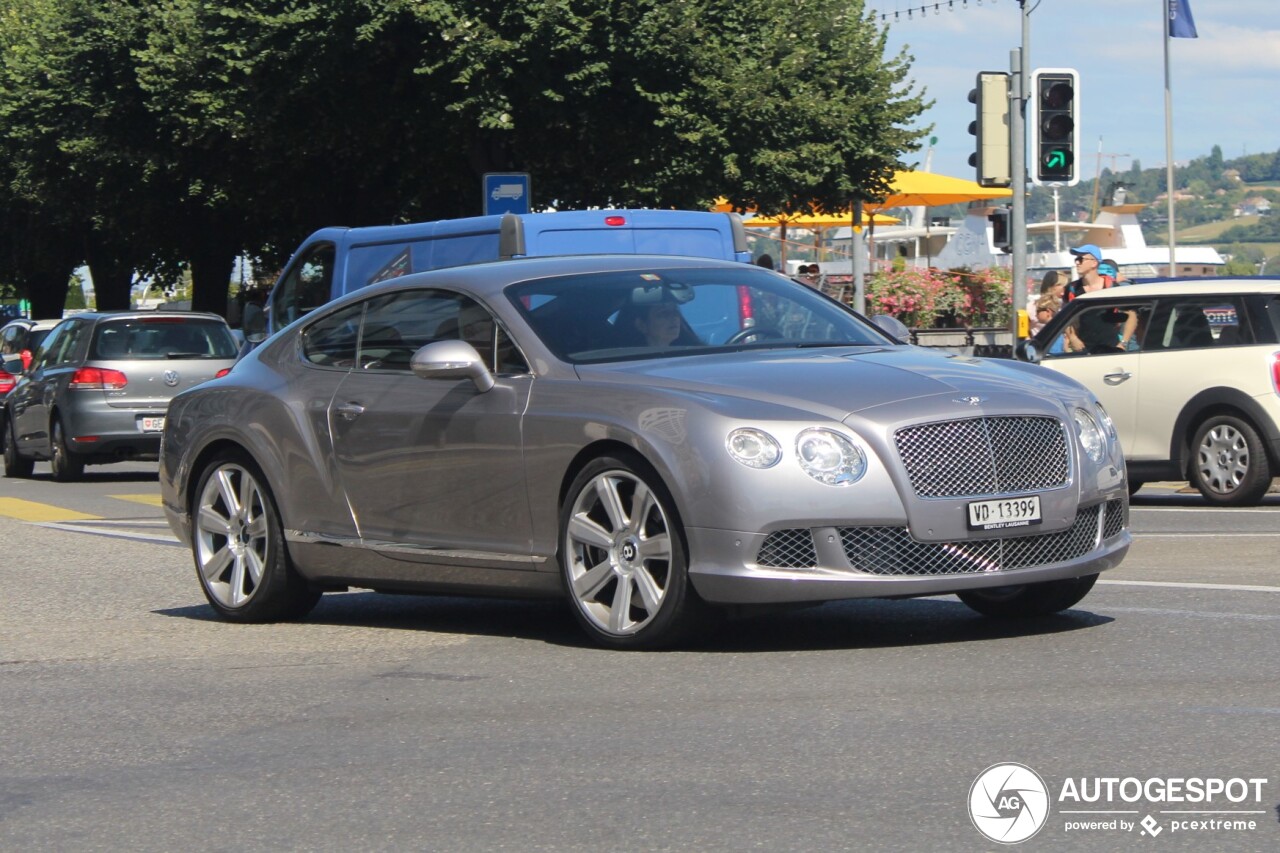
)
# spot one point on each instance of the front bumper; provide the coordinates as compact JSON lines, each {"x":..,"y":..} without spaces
{"x":726,"y":567}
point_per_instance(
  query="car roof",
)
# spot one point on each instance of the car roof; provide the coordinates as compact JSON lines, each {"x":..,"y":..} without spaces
{"x":1187,"y":287}
{"x":98,"y":316}
{"x":35,"y":325}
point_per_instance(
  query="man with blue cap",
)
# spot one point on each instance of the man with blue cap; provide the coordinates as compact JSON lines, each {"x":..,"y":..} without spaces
{"x":1087,"y":258}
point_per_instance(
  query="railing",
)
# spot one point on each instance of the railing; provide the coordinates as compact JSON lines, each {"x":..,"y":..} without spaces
{"x":983,"y":342}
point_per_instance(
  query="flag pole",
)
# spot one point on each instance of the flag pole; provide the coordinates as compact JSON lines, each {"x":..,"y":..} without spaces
{"x":1168,"y":140}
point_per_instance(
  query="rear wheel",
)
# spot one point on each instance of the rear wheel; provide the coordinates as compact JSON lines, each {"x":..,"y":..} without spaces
{"x":14,"y":464}
{"x":622,"y":555}
{"x":1134,"y":485}
{"x":67,"y":465}
{"x":1230,"y":466}
{"x":238,"y":544}
{"x":1033,"y":599}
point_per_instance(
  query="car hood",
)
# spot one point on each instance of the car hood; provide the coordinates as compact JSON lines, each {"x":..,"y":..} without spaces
{"x":835,"y":382}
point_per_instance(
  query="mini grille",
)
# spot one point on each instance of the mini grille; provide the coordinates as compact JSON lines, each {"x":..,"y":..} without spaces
{"x":1116,"y":519}
{"x":788,"y":549}
{"x":892,"y":550}
{"x":984,"y":456}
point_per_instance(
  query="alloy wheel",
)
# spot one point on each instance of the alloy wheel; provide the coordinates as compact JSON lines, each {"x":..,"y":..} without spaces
{"x":232,"y":535}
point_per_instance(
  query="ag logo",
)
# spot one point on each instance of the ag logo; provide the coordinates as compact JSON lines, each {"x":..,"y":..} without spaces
{"x":1008,"y":803}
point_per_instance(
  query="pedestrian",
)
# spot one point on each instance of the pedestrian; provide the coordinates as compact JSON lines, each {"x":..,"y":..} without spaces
{"x":1051,"y":288}
{"x":1087,"y":259}
{"x":766,"y":261}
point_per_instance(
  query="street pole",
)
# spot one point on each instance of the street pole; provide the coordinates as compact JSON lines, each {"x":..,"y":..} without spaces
{"x":859,"y":261}
{"x":1018,"y":183}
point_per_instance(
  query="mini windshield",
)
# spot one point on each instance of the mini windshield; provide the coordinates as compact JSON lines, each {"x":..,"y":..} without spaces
{"x":665,"y":313}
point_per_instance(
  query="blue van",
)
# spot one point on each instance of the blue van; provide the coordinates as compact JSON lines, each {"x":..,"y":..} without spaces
{"x":335,"y":261}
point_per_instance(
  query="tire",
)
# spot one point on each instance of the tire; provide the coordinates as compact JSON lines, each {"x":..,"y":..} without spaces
{"x":238,"y":544}
{"x":1029,"y":600}
{"x":1229,"y":462}
{"x":1134,"y":485}
{"x":67,"y":465}
{"x":623,"y":559}
{"x":14,"y":464}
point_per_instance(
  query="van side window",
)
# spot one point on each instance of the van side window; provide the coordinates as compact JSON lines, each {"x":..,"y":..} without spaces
{"x":305,"y":287}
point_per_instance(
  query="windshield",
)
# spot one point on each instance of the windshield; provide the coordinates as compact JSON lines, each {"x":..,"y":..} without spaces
{"x":665,"y":313}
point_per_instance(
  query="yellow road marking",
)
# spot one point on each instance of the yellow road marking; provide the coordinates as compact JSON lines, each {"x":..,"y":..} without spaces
{"x":33,"y":511}
{"x":149,"y":500}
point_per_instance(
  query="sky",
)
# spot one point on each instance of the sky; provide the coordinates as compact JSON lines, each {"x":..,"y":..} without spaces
{"x":1223,"y":83}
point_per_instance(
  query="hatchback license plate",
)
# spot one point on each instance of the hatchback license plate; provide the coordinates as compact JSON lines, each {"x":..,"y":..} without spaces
{"x":151,"y":424}
{"x":1008,"y":512}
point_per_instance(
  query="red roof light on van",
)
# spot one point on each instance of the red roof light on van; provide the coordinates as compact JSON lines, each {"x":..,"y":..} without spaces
{"x":615,"y":220}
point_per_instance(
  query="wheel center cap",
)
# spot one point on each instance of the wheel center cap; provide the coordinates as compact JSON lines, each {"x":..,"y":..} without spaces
{"x":629,"y":552}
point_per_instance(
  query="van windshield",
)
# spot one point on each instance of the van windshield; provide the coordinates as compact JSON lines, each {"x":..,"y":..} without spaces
{"x":611,"y":316}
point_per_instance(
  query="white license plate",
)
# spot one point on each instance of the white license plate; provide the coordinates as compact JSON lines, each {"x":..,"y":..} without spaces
{"x":1006,"y":512}
{"x":151,"y":424}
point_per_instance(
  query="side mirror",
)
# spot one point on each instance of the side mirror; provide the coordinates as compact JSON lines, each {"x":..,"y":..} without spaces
{"x":254,"y":324}
{"x":13,"y":364}
{"x":1027,"y":351}
{"x":893,"y":327}
{"x":451,"y":360}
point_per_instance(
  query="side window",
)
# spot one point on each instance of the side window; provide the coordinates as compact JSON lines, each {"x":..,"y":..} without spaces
{"x":398,"y":324}
{"x":1195,"y":323}
{"x":9,"y":341}
{"x":332,"y":341}
{"x":1109,"y":329}
{"x":305,"y":287}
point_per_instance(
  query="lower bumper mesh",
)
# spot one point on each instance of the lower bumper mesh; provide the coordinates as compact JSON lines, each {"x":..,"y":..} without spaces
{"x":892,"y":550}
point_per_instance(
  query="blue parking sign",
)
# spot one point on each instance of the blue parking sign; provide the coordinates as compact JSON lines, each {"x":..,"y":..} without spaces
{"x":506,"y":192}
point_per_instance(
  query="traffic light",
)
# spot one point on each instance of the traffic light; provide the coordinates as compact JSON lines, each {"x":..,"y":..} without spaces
{"x":1056,"y":126}
{"x":991,"y":127}
{"x":999,"y":218}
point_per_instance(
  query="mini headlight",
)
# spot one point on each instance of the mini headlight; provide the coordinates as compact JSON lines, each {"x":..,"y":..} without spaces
{"x":1091,"y":438}
{"x":829,"y":457}
{"x":753,"y":448}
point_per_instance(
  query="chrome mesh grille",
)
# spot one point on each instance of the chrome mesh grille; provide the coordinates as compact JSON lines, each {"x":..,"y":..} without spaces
{"x":892,"y":550}
{"x":984,"y":456}
{"x":1116,"y":518}
{"x":788,"y":549}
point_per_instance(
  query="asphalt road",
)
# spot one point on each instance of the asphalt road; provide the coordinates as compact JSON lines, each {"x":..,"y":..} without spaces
{"x":130,"y":719}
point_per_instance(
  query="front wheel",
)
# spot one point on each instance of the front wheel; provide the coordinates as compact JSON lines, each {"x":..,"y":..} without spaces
{"x":1230,"y":467}
{"x":1028,"y":600}
{"x":239,"y":549}
{"x":622,"y":555}
{"x":67,"y":465}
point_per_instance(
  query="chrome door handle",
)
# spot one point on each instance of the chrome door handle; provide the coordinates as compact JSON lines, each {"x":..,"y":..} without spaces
{"x":350,"y":411}
{"x":1117,"y":377}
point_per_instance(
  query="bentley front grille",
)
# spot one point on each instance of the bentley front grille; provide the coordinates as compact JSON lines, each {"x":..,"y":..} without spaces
{"x":984,"y":456}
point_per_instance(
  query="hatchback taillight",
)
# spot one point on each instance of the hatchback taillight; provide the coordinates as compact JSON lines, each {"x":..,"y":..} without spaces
{"x":98,"y":378}
{"x":7,"y":381}
{"x":221,"y":373}
{"x":1275,"y":371}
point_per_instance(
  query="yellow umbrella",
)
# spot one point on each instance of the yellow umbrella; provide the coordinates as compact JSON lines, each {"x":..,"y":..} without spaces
{"x":817,"y":220}
{"x":925,"y":189}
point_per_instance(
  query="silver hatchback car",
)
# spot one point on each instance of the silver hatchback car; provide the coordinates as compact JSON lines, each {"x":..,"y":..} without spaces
{"x":647,"y":437}
{"x":98,"y":387}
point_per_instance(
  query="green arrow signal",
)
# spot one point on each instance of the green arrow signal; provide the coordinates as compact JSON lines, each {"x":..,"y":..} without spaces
{"x":1057,"y":159}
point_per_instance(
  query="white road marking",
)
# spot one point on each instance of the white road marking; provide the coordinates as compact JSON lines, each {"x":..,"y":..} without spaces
{"x":1232,"y":587}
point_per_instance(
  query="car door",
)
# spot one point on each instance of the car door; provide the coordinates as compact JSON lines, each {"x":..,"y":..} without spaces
{"x":33,"y":401}
{"x":432,"y":468}
{"x":1087,"y":347}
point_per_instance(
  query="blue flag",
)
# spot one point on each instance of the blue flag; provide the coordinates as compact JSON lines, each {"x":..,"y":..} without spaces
{"x":1181,"y":24}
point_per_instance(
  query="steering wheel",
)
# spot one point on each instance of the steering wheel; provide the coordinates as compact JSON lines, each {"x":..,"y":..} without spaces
{"x":752,"y":332}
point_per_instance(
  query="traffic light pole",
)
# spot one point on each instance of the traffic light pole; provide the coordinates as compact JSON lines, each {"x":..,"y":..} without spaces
{"x":1018,"y":173}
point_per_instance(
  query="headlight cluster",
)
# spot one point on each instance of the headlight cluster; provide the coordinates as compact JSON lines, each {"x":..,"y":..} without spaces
{"x":1091,"y":436}
{"x":824,"y":454}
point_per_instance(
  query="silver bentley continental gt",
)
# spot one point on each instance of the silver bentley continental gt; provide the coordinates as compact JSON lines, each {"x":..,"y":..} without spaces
{"x":648,"y":437}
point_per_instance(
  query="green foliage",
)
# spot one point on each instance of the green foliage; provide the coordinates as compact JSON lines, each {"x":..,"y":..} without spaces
{"x":75,"y":295}
{"x":933,"y":298}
